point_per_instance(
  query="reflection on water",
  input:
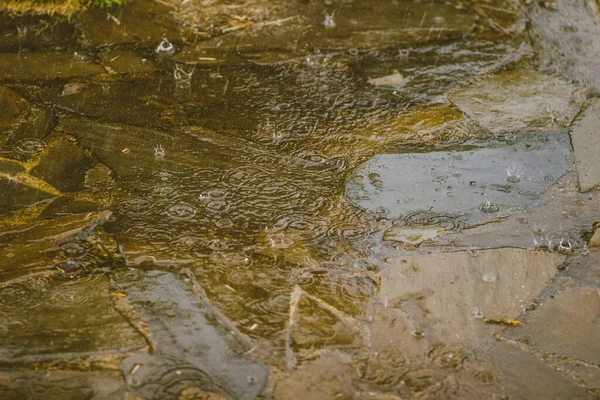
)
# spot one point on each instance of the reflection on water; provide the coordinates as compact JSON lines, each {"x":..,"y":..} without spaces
{"x":287,"y":190}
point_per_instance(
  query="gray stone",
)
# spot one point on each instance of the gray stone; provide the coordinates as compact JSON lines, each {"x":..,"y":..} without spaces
{"x":463,"y":187}
{"x":586,"y":144}
{"x":28,"y":66}
{"x":196,"y":351}
{"x":64,"y":166}
{"x":567,"y":325}
{"x":517,"y":99}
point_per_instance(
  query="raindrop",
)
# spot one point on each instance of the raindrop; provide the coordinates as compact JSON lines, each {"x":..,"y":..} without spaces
{"x":165,"y":48}
{"x":182,"y":211}
{"x":159,"y":152}
{"x":477,"y":313}
{"x":488,"y":207}
{"x":328,"y":22}
{"x":30,"y":146}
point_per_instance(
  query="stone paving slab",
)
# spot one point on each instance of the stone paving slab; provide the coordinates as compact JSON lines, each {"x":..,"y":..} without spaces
{"x":586,"y":144}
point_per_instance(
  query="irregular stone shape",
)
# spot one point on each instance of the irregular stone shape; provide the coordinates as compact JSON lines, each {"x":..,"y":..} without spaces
{"x":64,"y":166}
{"x":12,"y":108}
{"x":505,"y":372}
{"x":446,"y":296}
{"x":191,"y":350}
{"x":65,"y":206}
{"x":141,"y":22}
{"x":413,"y":236}
{"x":517,"y":99}
{"x":27,"y":66}
{"x":328,"y":377}
{"x":586,"y":144}
{"x":36,"y":248}
{"x":15,"y":196}
{"x":431,"y":318}
{"x":126,"y":62}
{"x":589,"y":376}
{"x":364,"y":24}
{"x":57,"y":318}
{"x":60,"y":385}
{"x":460,"y":183}
{"x":567,"y":325}
{"x":567,"y":41}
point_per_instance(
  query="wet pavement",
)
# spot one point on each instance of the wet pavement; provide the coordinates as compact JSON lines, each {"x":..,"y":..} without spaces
{"x":306,"y":199}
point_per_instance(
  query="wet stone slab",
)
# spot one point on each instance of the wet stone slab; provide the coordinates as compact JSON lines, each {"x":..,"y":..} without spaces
{"x":193,"y":352}
{"x":15,"y":196}
{"x":566,"y":325}
{"x":463,"y":187}
{"x":64,"y":166}
{"x":517,"y":99}
{"x":509,"y":373}
{"x":75,"y":316}
{"x":586,"y":143}
{"x":431,"y":315}
{"x":126,"y":62}
{"x":40,"y":246}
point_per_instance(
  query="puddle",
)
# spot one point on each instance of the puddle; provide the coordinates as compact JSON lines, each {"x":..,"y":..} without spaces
{"x":203,"y":199}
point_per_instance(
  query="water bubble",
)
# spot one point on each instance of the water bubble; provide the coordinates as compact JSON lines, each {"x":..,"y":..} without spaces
{"x":165,"y":48}
{"x":564,"y":246}
{"x":419,"y":334}
{"x":182,"y":211}
{"x":488,"y":278}
{"x":477,"y":313}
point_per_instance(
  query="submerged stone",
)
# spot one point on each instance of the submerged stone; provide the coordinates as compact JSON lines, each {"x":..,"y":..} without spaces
{"x":517,"y":99}
{"x":140,"y":21}
{"x":12,"y":108}
{"x":126,"y":62}
{"x":27,"y":66}
{"x":195,"y":351}
{"x":9,"y":167}
{"x":64,"y":166}
{"x":15,"y":196}
{"x":75,"y":316}
{"x":471,"y":185}
{"x":408,"y":235}
{"x":36,"y":248}
{"x":60,"y":385}
{"x":586,"y":145}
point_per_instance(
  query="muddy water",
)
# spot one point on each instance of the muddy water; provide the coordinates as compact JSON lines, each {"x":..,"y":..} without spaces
{"x":348,"y":199}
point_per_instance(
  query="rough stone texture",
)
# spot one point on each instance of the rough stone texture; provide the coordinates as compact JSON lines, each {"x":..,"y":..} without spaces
{"x":586,"y":143}
{"x":45,"y":66}
{"x":328,"y":377}
{"x":126,"y":62}
{"x":64,"y":166}
{"x":567,"y":325}
{"x":567,"y":40}
{"x":60,"y":385}
{"x":74,"y":316}
{"x":517,"y":99}
{"x":10,"y":167}
{"x":15,"y":196}
{"x":505,"y":372}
